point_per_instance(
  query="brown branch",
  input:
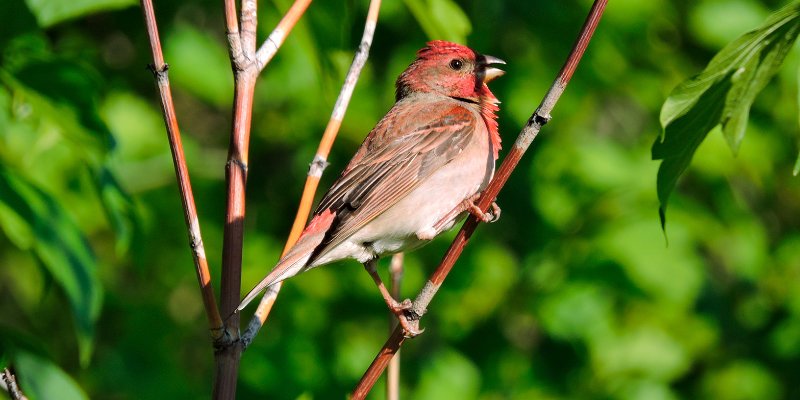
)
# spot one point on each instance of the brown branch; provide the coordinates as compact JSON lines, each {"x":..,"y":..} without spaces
{"x":159,"y":69}
{"x":540,"y":117}
{"x":393,"y":370}
{"x":232,"y":33}
{"x":320,"y":159}
{"x":9,"y":384}
{"x":242,"y":49}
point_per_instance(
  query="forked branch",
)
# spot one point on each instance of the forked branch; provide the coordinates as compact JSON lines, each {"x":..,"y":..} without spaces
{"x":540,"y":117}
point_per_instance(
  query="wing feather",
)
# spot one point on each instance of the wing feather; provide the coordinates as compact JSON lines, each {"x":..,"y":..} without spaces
{"x":391,"y":163}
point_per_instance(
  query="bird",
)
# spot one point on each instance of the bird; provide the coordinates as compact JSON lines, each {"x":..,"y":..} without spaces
{"x":417,"y":173}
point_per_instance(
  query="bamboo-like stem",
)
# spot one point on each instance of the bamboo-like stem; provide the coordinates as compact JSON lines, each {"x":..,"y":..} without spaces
{"x":393,"y":370}
{"x":242,"y":49}
{"x":159,"y":69}
{"x":319,"y":162}
{"x":540,"y":117}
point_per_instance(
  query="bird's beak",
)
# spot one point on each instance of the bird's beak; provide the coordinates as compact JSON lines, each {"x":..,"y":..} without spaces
{"x":491,"y":73}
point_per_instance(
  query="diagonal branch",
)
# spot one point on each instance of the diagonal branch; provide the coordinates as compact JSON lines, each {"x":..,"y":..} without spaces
{"x":276,"y":38}
{"x":540,"y":117}
{"x":9,"y":385}
{"x":320,"y":159}
{"x":159,"y":68}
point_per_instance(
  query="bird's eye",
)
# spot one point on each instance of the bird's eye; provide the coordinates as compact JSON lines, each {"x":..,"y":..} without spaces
{"x":456,"y":64}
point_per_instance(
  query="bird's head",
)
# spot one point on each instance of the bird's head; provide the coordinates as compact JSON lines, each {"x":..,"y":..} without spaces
{"x":450,"y":69}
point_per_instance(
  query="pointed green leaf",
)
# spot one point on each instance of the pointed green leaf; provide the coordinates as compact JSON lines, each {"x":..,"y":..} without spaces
{"x":721,"y":94}
{"x":441,"y":19}
{"x":51,"y":12}
{"x":34,"y":220}
{"x":40,"y":378}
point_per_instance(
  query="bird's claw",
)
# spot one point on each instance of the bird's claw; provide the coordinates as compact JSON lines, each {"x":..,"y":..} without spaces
{"x":409,"y":324}
{"x":491,"y":215}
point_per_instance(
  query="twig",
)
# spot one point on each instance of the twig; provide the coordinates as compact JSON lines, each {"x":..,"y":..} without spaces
{"x":540,"y":117}
{"x":393,"y":370}
{"x":276,"y":38}
{"x":9,"y":384}
{"x":159,"y":69}
{"x":242,"y":49}
{"x":319,"y":163}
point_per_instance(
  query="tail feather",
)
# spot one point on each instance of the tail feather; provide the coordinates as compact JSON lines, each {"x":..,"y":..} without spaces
{"x":296,"y":259}
{"x":283,"y":270}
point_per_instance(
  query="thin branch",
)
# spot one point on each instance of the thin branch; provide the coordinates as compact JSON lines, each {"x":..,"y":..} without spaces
{"x":159,"y":69}
{"x":393,"y":370}
{"x":278,"y":35}
{"x":249,"y":24}
{"x":9,"y":384}
{"x":245,"y":76}
{"x":540,"y":117}
{"x":232,"y":33}
{"x":320,"y":159}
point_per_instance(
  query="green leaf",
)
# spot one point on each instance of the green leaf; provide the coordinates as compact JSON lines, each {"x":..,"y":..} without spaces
{"x":65,"y":93}
{"x":40,"y":378}
{"x":34,"y":220}
{"x":185,"y":49}
{"x":721,"y":94}
{"x":119,"y":208}
{"x":441,"y":19}
{"x":51,"y":12}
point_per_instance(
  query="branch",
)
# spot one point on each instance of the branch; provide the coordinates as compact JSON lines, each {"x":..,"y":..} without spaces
{"x":540,"y":117}
{"x":232,"y":33}
{"x":276,"y":38}
{"x":9,"y":384}
{"x":245,"y":70}
{"x":159,"y":69}
{"x":393,"y":370}
{"x":320,"y":159}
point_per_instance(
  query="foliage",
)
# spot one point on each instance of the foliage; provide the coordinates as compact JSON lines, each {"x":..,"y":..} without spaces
{"x":572,"y":294}
{"x":721,"y":95}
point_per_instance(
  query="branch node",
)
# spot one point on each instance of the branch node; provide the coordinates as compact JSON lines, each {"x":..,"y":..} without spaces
{"x":238,"y":163}
{"x":539,"y":119}
{"x":317,"y":166}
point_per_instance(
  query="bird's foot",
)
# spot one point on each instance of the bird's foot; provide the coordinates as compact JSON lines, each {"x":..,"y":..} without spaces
{"x":406,"y":318}
{"x":491,"y":215}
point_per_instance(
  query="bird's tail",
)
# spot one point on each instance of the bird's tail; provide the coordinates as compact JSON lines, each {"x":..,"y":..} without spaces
{"x":285,"y":269}
{"x":296,"y":259}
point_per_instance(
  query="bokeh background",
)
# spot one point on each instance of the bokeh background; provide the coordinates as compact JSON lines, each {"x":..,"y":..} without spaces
{"x":574,"y":294}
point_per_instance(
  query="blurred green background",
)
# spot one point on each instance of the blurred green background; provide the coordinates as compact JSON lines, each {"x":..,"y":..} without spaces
{"x":574,"y":293}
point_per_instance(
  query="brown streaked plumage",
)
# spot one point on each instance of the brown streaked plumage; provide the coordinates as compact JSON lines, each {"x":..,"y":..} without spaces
{"x":416,"y":173}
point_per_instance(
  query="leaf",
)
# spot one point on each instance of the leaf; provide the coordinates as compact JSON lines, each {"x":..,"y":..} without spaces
{"x":40,"y":378}
{"x":70,"y":84}
{"x":721,"y":94}
{"x":51,"y":12}
{"x":64,"y":93}
{"x":34,"y":220}
{"x":119,"y":208}
{"x":441,"y":19}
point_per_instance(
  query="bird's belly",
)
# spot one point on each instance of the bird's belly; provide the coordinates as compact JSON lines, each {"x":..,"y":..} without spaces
{"x":396,"y":229}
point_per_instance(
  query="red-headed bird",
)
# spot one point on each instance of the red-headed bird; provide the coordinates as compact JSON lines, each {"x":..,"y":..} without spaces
{"x":415,"y":175}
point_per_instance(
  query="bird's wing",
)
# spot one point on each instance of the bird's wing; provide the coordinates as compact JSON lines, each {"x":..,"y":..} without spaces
{"x":393,"y":160}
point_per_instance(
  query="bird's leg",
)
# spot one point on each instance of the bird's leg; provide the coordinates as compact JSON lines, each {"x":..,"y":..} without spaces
{"x":489,"y":216}
{"x":467,"y":205}
{"x":411,"y":327}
